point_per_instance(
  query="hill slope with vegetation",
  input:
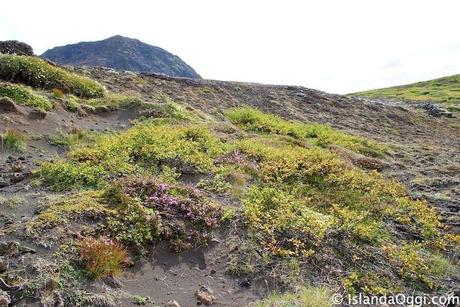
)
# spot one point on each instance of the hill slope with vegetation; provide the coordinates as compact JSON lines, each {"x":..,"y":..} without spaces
{"x":444,"y":90}
{"x":124,"y":189}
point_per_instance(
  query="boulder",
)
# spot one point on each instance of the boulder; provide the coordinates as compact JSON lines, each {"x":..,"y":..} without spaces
{"x":16,"y":47}
{"x":37,"y":114}
{"x":205,"y":296}
{"x":435,"y":110}
{"x":7,"y":105}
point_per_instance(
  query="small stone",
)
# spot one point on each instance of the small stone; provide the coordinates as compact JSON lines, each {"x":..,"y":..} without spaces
{"x":3,"y":265}
{"x":17,"y":177}
{"x":99,"y":300}
{"x":5,"y":299}
{"x":172,"y":303}
{"x":113,"y":282}
{"x":9,"y":248}
{"x":205,"y":295}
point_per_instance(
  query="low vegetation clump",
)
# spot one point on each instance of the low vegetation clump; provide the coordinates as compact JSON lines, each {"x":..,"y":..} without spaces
{"x":180,"y":215}
{"x":89,"y":204}
{"x":24,"y":95}
{"x":13,"y":140}
{"x":305,"y":296}
{"x":300,"y":204}
{"x":36,"y":72}
{"x":147,"y":147}
{"x":443,"y":90}
{"x":251,"y":119}
{"x":102,"y":257}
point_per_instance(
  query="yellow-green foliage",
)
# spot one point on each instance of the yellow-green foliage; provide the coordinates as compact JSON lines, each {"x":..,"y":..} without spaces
{"x":444,"y":90}
{"x":61,"y":175}
{"x":291,"y":227}
{"x":416,"y":263}
{"x":252,"y":119}
{"x":13,"y":139}
{"x":36,"y":72}
{"x":24,"y":95}
{"x":305,"y":297}
{"x":68,"y":207}
{"x":141,"y":148}
{"x":111,"y":99}
{"x":301,"y":199}
{"x":304,"y":193}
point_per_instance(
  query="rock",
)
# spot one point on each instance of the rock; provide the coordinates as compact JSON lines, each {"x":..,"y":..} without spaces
{"x":435,"y":110}
{"x":81,"y":112}
{"x":3,"y":265}
{"x":98,"y":300}
{"x":172,"y":303}
{"x":369,"y":163}
{"x":5,"y":299}
{"x":17,"y":177}
{"x":104,"y":109}
{"x":9,"y":248}
{"x":205,"y":295}
{"x":88,"y":109}
{"x":245,"y":283}
{"x":7,"y":105}
{"x":113,"y":282}
{"x":300,"y":94}
{"x":16,"y":47}
{"x":3,"y":183}
{"x":37,"y":114}
{"x":127,"y":262}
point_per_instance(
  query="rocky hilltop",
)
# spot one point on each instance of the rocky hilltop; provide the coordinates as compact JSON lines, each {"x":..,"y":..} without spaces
{"x":123,"y":189}
{"x":121,"y":53}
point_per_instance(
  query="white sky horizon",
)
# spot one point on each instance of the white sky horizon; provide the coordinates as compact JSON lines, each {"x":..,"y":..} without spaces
{"x":332,"y":45}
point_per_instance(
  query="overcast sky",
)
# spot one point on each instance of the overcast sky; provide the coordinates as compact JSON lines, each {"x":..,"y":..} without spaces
{"x":339,"y":46}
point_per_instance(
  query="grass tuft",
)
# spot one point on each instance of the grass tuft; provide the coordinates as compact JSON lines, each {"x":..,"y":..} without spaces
{"x":13,"y":140}
{"x":102,"y":257}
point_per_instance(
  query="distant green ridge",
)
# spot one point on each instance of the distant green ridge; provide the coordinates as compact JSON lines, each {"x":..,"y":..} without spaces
{"x":442,"y":90}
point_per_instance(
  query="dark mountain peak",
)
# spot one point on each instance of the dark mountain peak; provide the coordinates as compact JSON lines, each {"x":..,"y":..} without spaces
{"x":122,"y":53}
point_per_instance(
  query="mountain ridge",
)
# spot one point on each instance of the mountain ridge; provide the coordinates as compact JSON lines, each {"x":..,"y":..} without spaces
{"x":121,"y":53}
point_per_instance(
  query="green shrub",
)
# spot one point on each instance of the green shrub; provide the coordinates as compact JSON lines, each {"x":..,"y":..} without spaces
{"x":24,"y":95}
{"x":60,"y":175}
{"x":254,"y":120}
{"x":36,"y":72}
{"x":13,"y":139}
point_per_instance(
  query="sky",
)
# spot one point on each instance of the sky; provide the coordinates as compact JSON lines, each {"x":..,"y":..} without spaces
{"x":338,"y":46}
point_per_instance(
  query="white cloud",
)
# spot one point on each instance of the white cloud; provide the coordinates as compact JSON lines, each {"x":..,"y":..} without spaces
{"x":333,"y":45}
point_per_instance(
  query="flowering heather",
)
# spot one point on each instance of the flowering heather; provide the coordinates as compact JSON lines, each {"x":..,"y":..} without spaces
{"x":186,"y":217}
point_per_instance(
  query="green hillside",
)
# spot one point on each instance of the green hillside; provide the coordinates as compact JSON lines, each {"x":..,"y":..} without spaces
{"x":443,"y":90}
